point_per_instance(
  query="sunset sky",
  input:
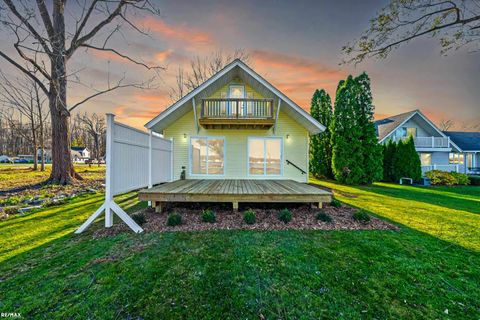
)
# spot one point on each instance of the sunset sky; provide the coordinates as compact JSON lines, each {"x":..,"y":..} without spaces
{"x":296,"y":45}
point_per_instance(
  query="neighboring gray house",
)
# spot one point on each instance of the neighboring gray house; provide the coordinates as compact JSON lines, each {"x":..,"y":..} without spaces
{"x":447,"y":151}
{"x":469,"y":144}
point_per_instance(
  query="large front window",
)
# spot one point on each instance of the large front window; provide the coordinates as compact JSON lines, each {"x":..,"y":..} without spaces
{"x":265,"y":156}
{"x":207,"y":156}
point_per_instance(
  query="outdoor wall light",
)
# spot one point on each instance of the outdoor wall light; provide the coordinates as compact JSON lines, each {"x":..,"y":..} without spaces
{"x":184,"y":136}
{"x":288,"y":136}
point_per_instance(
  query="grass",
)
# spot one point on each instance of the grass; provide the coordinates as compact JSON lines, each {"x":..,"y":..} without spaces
{"x":20,"y":175}
{"x":417,"y":272}
{"x":448,"y":213}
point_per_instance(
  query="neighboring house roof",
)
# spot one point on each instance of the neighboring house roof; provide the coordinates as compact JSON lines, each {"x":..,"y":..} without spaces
{"x":467,"y":141}
{"x":236,"y":68}
{"x":385,"y":127}
{"x":79,"y":148}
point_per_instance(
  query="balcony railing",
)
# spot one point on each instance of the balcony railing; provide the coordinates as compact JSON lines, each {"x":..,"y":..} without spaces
{"x":428,"y":142}
{"x":237,"y":109}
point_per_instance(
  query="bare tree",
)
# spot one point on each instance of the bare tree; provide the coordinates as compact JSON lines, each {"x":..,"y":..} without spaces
{"x":45,"y":44}
{"x":96,"y":128}
{"x":455,"y":22}
{"x":202,"y":68}
{"x":23,"y":98}
{"x":446,"y":124}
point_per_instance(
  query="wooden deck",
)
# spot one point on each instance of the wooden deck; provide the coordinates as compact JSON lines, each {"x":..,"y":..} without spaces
{"x":234,"y":191}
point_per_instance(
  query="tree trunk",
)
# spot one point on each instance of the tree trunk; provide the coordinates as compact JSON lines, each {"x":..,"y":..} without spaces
{"x":42,"y":145}
{"x":34,"y":142}
{"x":62,"y":166}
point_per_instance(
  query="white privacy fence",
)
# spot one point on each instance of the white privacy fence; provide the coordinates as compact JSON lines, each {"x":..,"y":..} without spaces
{"x":134,"y":159}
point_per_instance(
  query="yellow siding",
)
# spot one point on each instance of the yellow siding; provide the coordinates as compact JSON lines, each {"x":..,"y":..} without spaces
{"x":236,"y":165}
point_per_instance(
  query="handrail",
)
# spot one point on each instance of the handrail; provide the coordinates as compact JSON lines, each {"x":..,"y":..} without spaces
{"x":235,"y":108}
{"x":297,"y":167}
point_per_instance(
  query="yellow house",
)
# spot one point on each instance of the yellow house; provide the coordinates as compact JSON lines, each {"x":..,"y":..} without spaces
{"x":236,"y":125}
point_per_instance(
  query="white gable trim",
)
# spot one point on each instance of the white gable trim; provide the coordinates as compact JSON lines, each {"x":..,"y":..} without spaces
{"x":410,"y":117}
{"x":218,"y":75}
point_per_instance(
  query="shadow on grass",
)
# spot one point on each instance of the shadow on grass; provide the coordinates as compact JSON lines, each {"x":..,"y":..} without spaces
{"x":453,"y":198}
{"x":213,"y":274}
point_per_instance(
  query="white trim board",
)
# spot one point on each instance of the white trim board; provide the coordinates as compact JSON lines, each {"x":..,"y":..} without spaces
{"x":237,"y":63}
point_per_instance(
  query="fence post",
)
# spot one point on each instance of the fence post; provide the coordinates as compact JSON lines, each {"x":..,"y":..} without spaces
{"x":108,"y":174}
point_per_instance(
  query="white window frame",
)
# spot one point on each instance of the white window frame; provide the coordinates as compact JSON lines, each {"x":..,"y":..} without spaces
{"x":422,"y":153}
{"x":282,"y":157}
{"x":190,"y":156}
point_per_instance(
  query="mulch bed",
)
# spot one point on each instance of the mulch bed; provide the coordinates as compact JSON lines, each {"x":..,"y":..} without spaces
{"x":303,"y":218}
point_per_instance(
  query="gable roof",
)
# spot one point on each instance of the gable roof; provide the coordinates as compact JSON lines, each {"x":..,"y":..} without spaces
{"x":236,"y":68}
{"x":78,"y":148}
{"x":385,"y":127}
{"x":466,"y":141}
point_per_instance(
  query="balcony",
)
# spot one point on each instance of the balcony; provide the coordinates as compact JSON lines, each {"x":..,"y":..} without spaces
{"x":428,"y":142}
{"x":237,"y":114}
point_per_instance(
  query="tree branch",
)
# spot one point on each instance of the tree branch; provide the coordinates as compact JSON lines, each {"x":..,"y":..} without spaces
{"x":46,"y":18}
{"x":25,"y":71}
{"x":122,"y":56}
{"x":75,"y":45}
{"x":30,"y":28}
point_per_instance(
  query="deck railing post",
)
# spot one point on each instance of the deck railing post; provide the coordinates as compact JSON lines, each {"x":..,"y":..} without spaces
{"x":108,"y":174}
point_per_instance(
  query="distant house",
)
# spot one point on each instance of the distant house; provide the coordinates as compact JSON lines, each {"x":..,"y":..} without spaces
{"x":446,"y":151}
{"x":80,"y":154}
{"x":47,"y":154}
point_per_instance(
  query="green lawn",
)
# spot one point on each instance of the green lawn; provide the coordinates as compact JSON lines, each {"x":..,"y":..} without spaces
{"x":427,"y":269}
{"x":21,"y":175}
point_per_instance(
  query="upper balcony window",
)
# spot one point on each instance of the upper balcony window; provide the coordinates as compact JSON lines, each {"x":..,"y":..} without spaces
{"x":236,"y":92}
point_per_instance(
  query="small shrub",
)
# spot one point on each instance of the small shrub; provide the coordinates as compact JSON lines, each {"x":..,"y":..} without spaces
{"x":208,"y":216}
{"x":249,"y":216}
{"x":361,"y":216}
{"x":323,"y":216}
{"x":444,"y":178}
{"x":474,"y":180}
{"x":285,"y":215}
{"x":11,"y":201}
{"x":174,"y":219}
{"x":335,"y":203}
{"x":139,"y":218}
{"x":10,"y":211}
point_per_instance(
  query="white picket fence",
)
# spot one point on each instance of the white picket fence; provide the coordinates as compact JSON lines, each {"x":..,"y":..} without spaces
{"x":135,"y":159}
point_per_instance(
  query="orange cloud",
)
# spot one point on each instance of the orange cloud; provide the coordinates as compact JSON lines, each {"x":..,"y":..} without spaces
{"x":163,"y":56}
{"x":295,"y":76}
{"x":181,"y":33}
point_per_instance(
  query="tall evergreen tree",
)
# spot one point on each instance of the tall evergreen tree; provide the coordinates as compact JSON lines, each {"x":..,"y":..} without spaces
{"x":371,"y":149}
{"x":357,"y":156}
{"x":320,"y":144}
{"x":389,"y":151}
{"x":406,"y":162}
{"x":346,"y":137}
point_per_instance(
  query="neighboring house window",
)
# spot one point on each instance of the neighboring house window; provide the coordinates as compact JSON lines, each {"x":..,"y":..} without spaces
{"x":404,"y":132}
{"x":411,"y":132}
{"x":426,"y":159}
{"x":207,"y":156}
{"x":455,"y":158}
{"x":401,"y":132}
{"x":265,"y":156}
